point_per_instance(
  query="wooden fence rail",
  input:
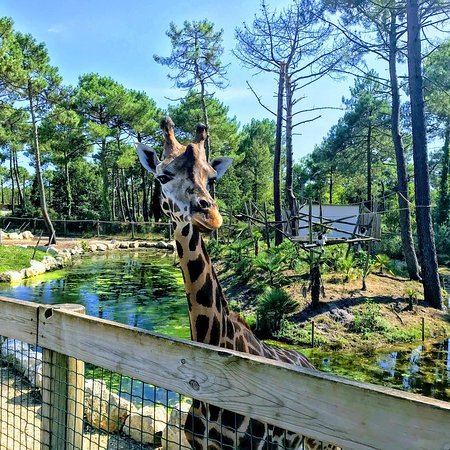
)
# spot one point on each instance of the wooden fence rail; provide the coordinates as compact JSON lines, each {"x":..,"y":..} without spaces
{"x":333,"y":409}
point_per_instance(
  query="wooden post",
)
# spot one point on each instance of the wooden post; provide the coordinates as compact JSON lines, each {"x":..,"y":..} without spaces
{"x":98,"y":228}
{"x":423,"y":329}
{"x":62,"y":392}
{"x":310,"y":221}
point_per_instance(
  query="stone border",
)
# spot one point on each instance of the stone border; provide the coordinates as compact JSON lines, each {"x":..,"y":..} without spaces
{"x":57,"y":259}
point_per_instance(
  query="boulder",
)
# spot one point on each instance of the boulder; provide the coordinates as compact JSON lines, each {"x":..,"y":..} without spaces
{"x":173,"y":437}
{"x":104,"y":409}
{"x":14,"y":235}
{"x":12,"y":276}
{"x":111,"y":245}
{"x":52,"y":251}
{"x":134,"y":244}
{"x":171,"y":246}
{"x":38,"y":267}
{"x":92,"y":247}
{"x":49,"y":262}
{"x":27,"y":235}
{"x":124,"y":245}
{"x":161,"y":244}
{"x":102,"y":247}
{"x":144,"y":425}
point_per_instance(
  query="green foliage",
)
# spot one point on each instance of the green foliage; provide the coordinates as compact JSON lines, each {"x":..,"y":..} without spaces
{"x":368,"y":319}
{"x":347,"y":266}
{"x":271,"y":308}
{"x":383,"y":264}
{"x":391,"y":245}
{"x":271,"y":264}
{"x":442,"y":239}
{"x":295,"y":334}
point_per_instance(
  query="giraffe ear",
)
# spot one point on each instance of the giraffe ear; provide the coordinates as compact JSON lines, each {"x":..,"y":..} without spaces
{"x":220,"y":165}
{"x":148,"y":157}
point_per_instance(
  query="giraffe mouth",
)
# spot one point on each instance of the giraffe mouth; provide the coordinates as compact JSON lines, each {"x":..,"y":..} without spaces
{"x":208,"y":221}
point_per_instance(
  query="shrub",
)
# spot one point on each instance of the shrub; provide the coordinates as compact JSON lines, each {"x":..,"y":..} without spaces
{"x":442,"y":239}
{"x":392,"y":246}
{"x":368,"y":319}
{"x":347,"y":266}
{"x":272,"y":264}
{"x":272,"y":306}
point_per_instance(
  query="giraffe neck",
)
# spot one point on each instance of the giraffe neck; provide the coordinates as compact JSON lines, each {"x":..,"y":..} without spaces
{"x":208,"y":309}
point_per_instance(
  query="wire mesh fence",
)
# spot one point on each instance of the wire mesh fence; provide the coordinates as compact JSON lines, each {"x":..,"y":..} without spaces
{"x":47,"y":403}
{"x":50,"y":401}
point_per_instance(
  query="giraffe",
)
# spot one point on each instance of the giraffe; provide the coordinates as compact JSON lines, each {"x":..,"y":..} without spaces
{"x":185,"y":176}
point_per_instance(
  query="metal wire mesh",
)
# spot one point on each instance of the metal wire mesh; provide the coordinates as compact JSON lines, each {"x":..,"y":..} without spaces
{"x":48,"y":400}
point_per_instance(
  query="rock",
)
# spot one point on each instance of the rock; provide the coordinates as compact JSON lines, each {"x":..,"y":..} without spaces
{"x":27,"y":235}
{"x":12,"y":276}
{"x":104,"y":409}
{"x":161,"y":244}
{"x":93,"y":247}
{"x":4,"y":235}
{"x":172,"y":438}
{"x":38,"y":267}
{"x":171,"y":246}
{"x":13,"y":235}
{"x":143,"y":425}
{"x":142,"y":244}
{"x":102,"y":247}
{"x":124,"y":245}
{"x":148,"y":244}
{"x":52,"y":251}
{"x":50,"y":263}
{"x":111,"y":245}
{"x":341,"y":315}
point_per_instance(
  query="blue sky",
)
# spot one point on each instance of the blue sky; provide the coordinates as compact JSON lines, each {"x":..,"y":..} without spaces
{"x":118,"y":39}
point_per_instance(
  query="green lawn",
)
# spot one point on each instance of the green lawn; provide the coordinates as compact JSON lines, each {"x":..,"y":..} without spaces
{"x":16,"y":258}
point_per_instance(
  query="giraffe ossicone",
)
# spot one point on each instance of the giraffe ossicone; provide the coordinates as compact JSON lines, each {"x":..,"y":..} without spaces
{"x":185,"y":175}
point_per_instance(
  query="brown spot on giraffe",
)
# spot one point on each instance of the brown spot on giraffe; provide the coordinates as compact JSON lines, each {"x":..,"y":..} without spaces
{"x":185,"y":174}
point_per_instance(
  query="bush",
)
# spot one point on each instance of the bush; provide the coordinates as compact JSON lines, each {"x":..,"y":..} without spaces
{"x":442,"y":239}
{"x":368,"y":319}
{"x":392,"y":246}
{"x":271,"y":308}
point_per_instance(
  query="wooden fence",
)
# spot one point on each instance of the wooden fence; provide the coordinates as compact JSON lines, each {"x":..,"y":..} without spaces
{"x":351,"y":414}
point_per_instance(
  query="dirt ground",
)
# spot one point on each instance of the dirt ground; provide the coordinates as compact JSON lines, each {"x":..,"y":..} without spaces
{"x":20,"y":419}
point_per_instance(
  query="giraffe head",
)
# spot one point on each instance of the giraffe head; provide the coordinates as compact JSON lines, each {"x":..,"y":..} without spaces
{"x":185,"y":176}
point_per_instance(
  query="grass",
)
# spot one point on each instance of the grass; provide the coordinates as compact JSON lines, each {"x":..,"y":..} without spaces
{"x":17,"y":258}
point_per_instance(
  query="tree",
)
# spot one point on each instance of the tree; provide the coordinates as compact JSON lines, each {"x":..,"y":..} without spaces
{"x":292,"y":44}
{"x":196,"y":52}
{"x":29,"y":78}
{"x":431,"y":284}
{"x":102,"y":102}
{"x":437,"y":90}
{"x":255,"y":161}
{"x":385,"y":28}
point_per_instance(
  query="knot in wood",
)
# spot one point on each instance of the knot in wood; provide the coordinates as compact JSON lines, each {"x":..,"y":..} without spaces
{"x":194,"y":385}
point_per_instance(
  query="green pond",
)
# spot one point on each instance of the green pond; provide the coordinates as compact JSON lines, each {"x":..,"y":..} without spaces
{"x":145,"y":289}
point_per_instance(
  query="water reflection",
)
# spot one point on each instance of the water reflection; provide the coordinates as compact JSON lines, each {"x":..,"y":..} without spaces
{"x":141,"y":289}
{"x":424,"y":369}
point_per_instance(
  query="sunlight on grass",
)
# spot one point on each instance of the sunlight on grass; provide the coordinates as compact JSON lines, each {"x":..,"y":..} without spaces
{"x":16,"y":258}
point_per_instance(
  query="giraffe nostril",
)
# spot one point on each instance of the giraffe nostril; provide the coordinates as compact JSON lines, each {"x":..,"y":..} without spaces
{"x":204,"y":204}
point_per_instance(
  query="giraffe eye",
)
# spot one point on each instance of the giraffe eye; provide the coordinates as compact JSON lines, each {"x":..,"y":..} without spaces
{"x":163,"y":179}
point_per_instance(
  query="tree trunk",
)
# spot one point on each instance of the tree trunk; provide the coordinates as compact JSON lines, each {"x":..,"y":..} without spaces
{"x":156,"y":210}
{"x":369,"y":163}
{"x":16,"y":175}
{"x":277,"y":159}
{"x":113,"y":194}
{"x":206,"y":120}
{"x":331,"y":186}
{"x":431,"y":285}
{"x":126,"y":195}
{"x":105,"y":180}
{"x":68,"y":187}
{"x":315,"y":278}
{"x":134,"y":210}
{"x":11,"y":175}
{"x":443,"y":207}
{"x":289,"y":191}
{"x":37,"y":162}
{"x":402,"y":178}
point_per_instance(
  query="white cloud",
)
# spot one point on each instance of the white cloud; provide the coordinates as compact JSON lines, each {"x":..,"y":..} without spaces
{"x":56,"y":29}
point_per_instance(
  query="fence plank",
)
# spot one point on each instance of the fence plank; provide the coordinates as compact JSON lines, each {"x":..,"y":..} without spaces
{"x":18,"y":319}
{"x":352,"y":414}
